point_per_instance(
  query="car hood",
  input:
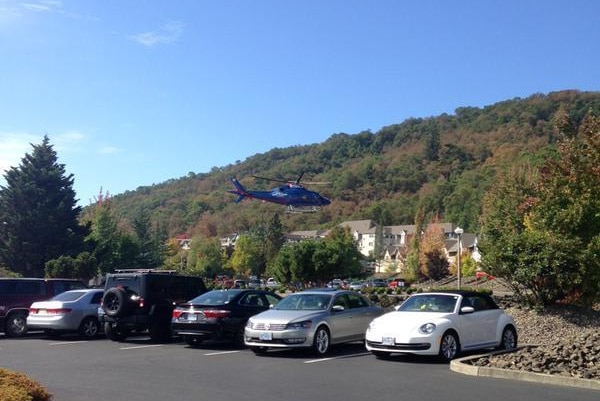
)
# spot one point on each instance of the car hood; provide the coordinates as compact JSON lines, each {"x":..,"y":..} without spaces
{"x":286,"y":316}
{"x":401,"y":321}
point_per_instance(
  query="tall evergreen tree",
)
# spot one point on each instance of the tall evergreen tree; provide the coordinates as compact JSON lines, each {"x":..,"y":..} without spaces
{"x":38,"y":213}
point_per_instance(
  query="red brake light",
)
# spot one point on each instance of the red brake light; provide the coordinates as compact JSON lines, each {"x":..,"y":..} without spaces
{"x":141,"y":302}
{"x":33,"y":311}
{"x":62,"y":311}
{"x":216,"y":313}
{"x":176,"y":313}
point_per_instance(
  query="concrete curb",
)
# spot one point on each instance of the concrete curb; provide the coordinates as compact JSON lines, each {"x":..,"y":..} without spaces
{"x":461,"y":365}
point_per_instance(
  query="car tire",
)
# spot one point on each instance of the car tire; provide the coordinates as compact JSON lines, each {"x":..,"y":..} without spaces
{"x":238,"y":337}
{"x":449,"y":346}
{"x":321,"y":342}
{"x":115,"y":332}
{"x":115,"y":302}
{"x":259,"y":350}
{"x":16,"y":324}
{"x":89,"y":328}
{"x":381,"y":354}
{"x":509,"y":339}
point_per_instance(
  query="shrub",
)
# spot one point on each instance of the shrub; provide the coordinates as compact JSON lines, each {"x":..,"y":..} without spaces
{"x":16,"y":386}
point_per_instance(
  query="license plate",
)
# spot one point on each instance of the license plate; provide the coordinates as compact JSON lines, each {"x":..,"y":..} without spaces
{"x":266,"y":336}
{"x":192,"y":317}
{"x":388,"y":340}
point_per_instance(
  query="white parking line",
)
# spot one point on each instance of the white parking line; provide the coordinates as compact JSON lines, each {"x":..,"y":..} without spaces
{"x":142,"y":346}
{"x":337,"y":357}
{"x":221,"y":353}
{"x":68,"y":342}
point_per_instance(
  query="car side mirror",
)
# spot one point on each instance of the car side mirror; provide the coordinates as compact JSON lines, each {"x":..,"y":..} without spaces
{"x":337,"y":308}
{"x":397,"y":307}
{"x":466,"y":310}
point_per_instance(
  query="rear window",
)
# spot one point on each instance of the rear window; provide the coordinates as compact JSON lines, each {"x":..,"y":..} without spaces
{"x":69,"y":296}
{"x":213,"y":298}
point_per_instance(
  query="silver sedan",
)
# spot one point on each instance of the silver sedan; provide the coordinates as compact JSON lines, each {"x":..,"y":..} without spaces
{"x":314,"y":319}
{"x":71,"y":311}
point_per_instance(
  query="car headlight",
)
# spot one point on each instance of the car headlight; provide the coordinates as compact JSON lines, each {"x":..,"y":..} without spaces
{"x":427,"y":328}
{"x":372,"y":325}
{"x":249,"y":324}
{"x":299,"y":325}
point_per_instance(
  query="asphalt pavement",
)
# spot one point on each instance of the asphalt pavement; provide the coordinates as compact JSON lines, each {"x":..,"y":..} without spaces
{"x":138,"y":370}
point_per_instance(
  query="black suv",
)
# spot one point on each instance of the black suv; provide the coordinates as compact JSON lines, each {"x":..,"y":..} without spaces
{"x":17,"y":295}
{"x":138,"y":300}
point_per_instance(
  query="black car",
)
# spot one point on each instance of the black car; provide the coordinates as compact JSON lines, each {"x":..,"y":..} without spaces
{"x":139,"y":300}
{"x":220,"y":314}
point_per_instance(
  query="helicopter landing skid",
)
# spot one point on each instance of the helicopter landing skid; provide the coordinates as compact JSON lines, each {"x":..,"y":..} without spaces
{"x":302,"y":209}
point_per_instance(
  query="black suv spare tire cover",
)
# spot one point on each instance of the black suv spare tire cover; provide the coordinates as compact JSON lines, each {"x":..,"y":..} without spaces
{"x":115,"y":302}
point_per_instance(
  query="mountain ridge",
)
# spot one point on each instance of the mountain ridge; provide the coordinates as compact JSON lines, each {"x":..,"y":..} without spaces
{"x":443,"y":164}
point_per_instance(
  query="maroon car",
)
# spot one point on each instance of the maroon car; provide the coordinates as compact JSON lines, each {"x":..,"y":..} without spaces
{"x":17,"y":295}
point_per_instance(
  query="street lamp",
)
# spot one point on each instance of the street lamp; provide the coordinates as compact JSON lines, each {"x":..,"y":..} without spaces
{"x":458,"y":231}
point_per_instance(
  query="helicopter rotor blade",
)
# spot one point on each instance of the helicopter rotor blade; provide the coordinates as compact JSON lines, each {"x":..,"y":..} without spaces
{"x":270,"y":179}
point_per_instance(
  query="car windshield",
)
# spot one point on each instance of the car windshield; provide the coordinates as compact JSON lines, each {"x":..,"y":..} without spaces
{"x":304,"y":302}
{"x":217,"y":297}
{"x":69,"y":296}
{"x":429,"y":303}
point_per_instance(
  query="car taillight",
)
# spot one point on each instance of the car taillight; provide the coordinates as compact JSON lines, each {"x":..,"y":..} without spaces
{"x":176,"y":314}
{"x":61,"y":311}
{"x":216,"y":313}
{"x":33,"y":311}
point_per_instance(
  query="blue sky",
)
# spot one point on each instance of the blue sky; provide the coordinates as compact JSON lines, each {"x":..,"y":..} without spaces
{"x":133,"y":93}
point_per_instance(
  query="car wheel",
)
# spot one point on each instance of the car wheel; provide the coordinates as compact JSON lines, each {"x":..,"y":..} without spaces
{"x":115,"y":332}
{"x":16,"y":324}
{"x":509,"y":339}
{"x":192,"y":341}
{"x":259,"y":350}
{"x":238,"y":337}
{"x":321,"y":341}
{"x":114,"y":302}
{"x":89,"y":328}
{"x":381,"y":354}
{"x":449,"y":346}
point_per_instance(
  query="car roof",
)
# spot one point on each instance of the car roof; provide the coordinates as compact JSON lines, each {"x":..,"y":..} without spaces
{"x":327,"y":290}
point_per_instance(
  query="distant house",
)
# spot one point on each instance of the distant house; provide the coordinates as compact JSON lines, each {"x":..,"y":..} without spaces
{"x":228,"y":241}
{"x":184,"y":241}
{"x":395,"y":242}
{"x":298,"y":236}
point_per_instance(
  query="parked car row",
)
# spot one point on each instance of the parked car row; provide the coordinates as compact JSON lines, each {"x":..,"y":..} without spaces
{"x":164,"y":303}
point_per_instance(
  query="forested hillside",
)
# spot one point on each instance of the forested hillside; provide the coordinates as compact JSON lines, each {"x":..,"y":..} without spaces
{"x":441,"y":164}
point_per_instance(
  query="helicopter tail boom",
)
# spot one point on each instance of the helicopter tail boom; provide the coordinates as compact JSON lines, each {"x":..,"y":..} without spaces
{"x":239,"y":190}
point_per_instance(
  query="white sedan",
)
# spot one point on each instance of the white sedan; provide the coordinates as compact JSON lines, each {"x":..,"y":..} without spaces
{"x":75,"y":310}
{"x":442,"y":323}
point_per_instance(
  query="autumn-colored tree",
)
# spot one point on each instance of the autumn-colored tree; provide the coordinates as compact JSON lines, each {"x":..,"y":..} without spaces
{"x":433,"y":261}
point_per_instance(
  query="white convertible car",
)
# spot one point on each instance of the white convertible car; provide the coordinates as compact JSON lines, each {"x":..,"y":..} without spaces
{"x":442,"y":323}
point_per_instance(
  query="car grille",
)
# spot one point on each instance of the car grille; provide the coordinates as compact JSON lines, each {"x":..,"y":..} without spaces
{"x":269,"y":326}
{"x":400,"y":347}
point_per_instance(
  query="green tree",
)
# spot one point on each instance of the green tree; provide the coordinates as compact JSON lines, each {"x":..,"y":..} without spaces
{"x":247,"y":257}
{"x":541,"y":231}
{"x":274,"y":238}
{"x":38,"y":213}
{"x":205,"y":257}
{"x":150,"y":241}
{"x":81,"y":267}
{"x":111,"y":247}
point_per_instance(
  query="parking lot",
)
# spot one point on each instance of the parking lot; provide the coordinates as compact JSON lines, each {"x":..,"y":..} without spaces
{"x":137,"y":369}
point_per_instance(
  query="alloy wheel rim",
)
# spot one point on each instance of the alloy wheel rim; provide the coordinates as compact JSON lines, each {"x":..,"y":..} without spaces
{"x":322,"y":341}
{"x":449,"y":347}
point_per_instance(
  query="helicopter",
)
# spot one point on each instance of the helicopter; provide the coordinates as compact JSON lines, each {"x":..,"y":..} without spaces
{"x":297,"y":198}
